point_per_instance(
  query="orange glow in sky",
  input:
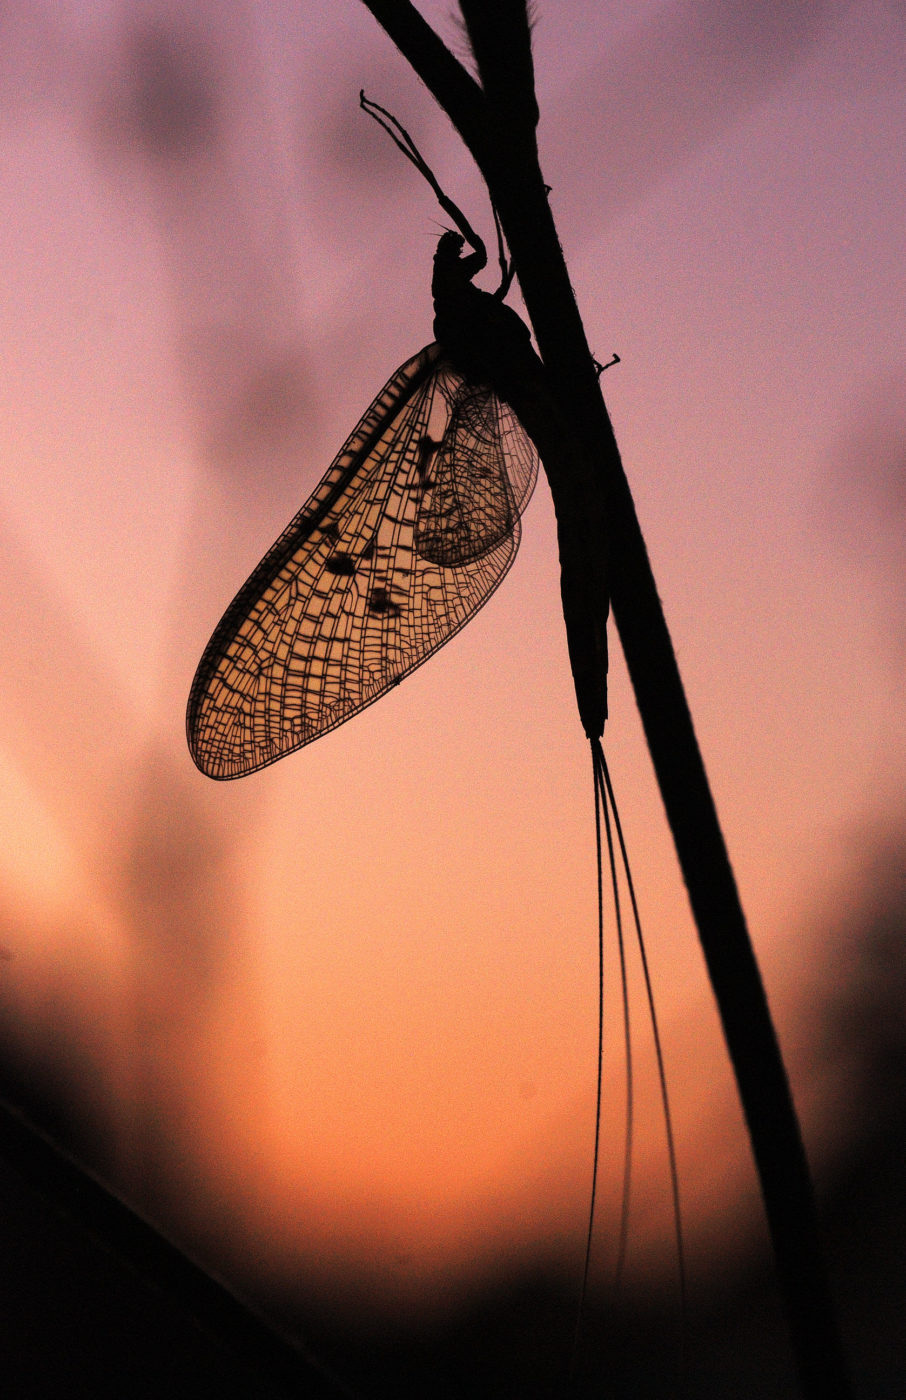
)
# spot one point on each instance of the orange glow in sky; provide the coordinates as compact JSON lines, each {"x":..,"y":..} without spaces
{"x":348,"y":1004}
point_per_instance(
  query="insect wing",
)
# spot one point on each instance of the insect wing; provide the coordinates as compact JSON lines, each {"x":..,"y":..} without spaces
{"x":360,"y":589}
{"x":478,"y":481}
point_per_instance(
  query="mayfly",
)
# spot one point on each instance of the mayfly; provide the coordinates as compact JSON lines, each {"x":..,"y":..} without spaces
{"x":411,"y":530}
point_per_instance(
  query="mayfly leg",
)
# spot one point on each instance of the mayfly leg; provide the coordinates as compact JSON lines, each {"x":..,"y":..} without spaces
{"x":404,"y":142}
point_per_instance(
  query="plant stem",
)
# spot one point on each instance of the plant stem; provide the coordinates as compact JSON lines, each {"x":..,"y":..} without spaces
{"x":602,"y":550}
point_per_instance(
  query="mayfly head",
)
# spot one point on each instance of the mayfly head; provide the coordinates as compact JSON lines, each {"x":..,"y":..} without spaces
{"x":452,"y":271}
{"x":449,"y":247}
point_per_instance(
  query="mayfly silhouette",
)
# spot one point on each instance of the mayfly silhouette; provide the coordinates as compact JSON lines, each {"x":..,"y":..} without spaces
{"x":411,"y":530}
{"x":416,"y":523}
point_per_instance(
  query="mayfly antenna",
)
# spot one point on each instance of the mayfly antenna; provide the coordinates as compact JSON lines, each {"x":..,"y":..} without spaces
{"x":404,"y":142}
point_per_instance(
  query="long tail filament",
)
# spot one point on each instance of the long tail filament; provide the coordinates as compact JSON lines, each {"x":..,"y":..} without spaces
{"x":605,"y":803}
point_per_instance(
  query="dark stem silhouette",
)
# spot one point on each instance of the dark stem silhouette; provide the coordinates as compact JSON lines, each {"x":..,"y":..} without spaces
{"x":603,"y":557}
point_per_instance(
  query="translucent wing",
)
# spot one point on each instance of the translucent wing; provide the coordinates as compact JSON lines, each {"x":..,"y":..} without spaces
{"x":407,"y":536}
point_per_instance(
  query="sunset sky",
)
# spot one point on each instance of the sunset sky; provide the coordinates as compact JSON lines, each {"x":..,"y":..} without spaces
{"x":343,"y":1011}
